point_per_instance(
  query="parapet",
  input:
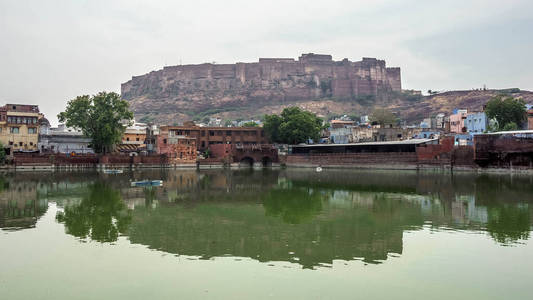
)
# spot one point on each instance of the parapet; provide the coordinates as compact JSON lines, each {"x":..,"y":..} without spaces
{"x":315,"y":58}
{"x":276,"y":60}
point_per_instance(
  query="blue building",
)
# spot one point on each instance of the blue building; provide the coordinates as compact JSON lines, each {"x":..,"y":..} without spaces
{"x":427,"y":135}
{"x":476,"y":123}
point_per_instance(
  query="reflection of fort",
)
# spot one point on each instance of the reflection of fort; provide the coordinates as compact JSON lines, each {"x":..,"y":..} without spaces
{"x":303,"y":217}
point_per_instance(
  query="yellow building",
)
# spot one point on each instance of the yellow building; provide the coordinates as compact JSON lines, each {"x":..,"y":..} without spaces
{"x":19,"y":127}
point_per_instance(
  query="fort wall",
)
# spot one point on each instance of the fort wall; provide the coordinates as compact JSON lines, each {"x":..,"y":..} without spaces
{"x":312,"y":76}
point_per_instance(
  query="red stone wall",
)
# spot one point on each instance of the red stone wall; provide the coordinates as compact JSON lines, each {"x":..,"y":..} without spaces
{"x":435,"y":153}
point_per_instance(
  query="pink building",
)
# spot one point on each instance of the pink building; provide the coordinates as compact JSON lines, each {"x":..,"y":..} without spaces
{"x":457,"y":121}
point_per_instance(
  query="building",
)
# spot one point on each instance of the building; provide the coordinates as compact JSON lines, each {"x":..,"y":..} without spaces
{"x":463,"y":140}
{"x":178,"y":148}
{"x":457,"y":121}
{"x":62,"y":139}
{"x":341,"y":123}
{"x":340,"y":131}
{"x":427,"y":134}
{"x":19,"y":127}
{"x":342,"y":135}
{"x":382,"y":134}
{"x":371,"y":147}
{"x":476,"y":122}
{"x":440,"y":121}
{"x":133,"y":139}
{"x":530,"y":119}
{"x":206,"y":136}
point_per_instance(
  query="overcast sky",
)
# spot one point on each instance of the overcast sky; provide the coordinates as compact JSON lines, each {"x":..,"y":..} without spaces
{"x":54,"y":50}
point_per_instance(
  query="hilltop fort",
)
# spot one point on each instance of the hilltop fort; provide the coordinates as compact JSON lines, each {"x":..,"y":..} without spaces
{"x":187,"y":91}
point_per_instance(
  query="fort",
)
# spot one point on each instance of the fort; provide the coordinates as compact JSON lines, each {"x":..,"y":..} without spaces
{"x":176,"y":89}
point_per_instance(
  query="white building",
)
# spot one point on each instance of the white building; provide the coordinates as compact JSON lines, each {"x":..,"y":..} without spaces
{"x":62,"y":139}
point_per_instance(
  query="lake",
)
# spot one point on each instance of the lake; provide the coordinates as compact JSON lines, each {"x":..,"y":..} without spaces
{"x":255,"y":234}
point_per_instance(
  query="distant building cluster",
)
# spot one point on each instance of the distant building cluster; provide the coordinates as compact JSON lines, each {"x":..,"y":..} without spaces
{"x":461,"y":123}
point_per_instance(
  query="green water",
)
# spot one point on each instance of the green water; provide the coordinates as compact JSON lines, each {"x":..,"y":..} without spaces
{"x":287,"y":234}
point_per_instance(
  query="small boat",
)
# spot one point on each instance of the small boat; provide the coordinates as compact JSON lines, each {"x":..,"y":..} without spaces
{"x":319,"y":169}
{"x":113,"y":171}
{"x":147,"y":183}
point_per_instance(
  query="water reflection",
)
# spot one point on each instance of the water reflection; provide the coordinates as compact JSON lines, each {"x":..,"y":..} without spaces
{"x":290,"y":215}
{"x":100,"y":215}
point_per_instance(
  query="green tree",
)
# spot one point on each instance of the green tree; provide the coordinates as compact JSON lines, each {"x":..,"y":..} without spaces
{"x":382,"y":116}
{"x":506,"y":110}
{"x":271,"y":127}
{"x":2,"y":154}
{"x":101,"y":215}
{"x":250,"y":124}
{"x":100,"y":117}
{"x":293,"y":126}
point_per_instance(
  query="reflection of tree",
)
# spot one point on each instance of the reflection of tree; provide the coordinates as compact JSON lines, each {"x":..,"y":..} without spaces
{"x":508,"y":224}
{"x":101,"y":215}
{"x":293,"y":205}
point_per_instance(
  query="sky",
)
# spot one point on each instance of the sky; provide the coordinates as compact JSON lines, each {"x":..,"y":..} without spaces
{"x":54,"y":50}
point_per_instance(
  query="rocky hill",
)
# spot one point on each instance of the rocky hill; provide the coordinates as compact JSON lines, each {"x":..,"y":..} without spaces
{"x":313,"y":82}
{"x":445,"y":102}
{"x":244,"y":90}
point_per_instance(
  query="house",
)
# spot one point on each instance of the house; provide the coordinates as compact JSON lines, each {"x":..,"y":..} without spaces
{"x":62,"y":139}
{"x":340,"y":131}
{"x":476,"y":122}
{"x":206,"y":136}
{"x":19,"y":127}
{"x":178,"y":148}
{"x":382,"y":134}
{"x":530,"y":119}
{"x":133,"y":139}
{"x":457,"y":121}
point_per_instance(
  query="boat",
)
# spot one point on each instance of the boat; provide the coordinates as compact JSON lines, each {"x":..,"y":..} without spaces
{"x":113,"y":171}
{"x":147,"y":183}
{"x":319,"y":169}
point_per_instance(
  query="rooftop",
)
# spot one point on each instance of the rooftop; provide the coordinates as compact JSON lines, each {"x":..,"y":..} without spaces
{"x":404,"y":142}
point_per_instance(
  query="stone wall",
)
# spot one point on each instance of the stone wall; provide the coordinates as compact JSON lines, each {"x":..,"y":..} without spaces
{"x":401,"y":160}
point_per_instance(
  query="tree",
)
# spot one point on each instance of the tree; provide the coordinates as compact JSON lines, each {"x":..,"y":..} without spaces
{"x":382,"y":116}
{"x":101,"y":215}
{"x":271,"y":127}
{"x":293,"y":126}
{"x":506,"y":110}
{"x":250,"y":124}
{"x":2,"y":153}
{"x":100,"y":117}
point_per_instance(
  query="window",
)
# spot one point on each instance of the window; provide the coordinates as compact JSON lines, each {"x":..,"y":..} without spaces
{"x":20,"y":144}
{"x":164,"y":141}
{"x":211,"y":133}
{"x":32,"y":130}
{"x":137,"y":139}
{"x":128,"y":139}
{"x":14,"y":130}
{"x":203,"y":133}
{"x":11,"y":143}
{"x":31,"y":143}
